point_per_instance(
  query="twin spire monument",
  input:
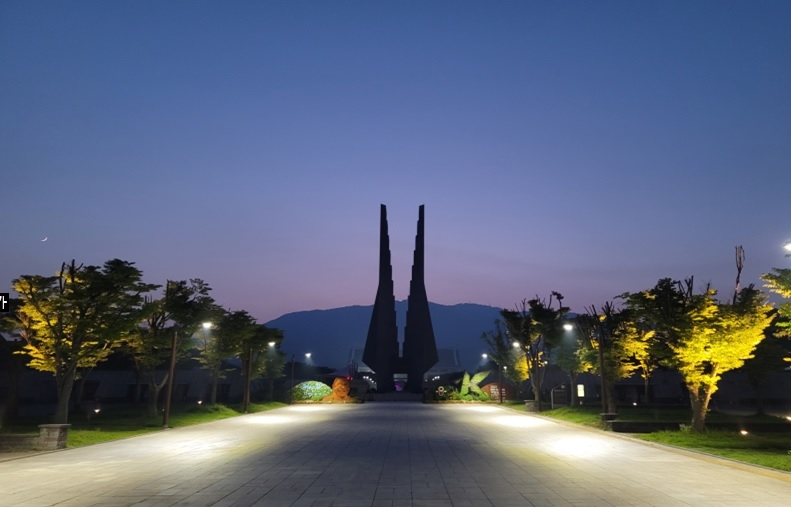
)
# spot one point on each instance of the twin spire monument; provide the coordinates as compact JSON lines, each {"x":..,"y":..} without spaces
{"x":381,"y":352}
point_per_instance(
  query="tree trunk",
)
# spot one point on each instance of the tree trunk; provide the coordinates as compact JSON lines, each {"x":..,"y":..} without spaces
{"x":246,"y":398}
{"x":535,"y":382}
{"x":64,"y":395}
{"x":213,"y":389}
{"x":699,"y":399}
{"x":81,"y":385}
{"x":573,"y":387}
{"x":609,"y":392}
{"x":647,"y":391}
{"x":270,"y":389}
{"x":154,"y":389}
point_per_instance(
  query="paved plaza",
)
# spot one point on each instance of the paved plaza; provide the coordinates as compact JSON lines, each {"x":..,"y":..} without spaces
{"x":384,"y":454}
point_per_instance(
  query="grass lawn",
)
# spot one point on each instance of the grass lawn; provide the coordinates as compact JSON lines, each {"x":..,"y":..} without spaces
{"x":771,"y":450}
{"x":115,"y":423}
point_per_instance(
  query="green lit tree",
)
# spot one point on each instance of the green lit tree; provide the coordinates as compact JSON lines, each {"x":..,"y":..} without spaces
{"x":215,"y":346}
{"x":240,"y":329}
{"x":77,"y":318}
{"x":168,"y":321}
{"x":779,"y":282}
{"x":537,"y":327}
{"x":271,"y":362}
{"x":509,"y":359}
{"x":768,"y":357}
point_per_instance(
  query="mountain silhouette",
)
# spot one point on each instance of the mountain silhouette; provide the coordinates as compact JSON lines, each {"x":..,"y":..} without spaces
{"x":329,"y":335}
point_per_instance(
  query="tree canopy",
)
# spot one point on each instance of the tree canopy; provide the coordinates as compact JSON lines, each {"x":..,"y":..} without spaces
{"x":77,"y":317}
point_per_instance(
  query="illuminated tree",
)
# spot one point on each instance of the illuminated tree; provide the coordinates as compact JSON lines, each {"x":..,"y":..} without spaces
{"x":510,"y":360}
{"x":78,"y":317}
{"x":271,"y":362}
{"x":215,"y":346}
{"x":537,"y":328}
{"x":609,"y":345}
{"x":779,"y":282}
{"x":167,"y":321}
{"x":768,"y":358}
{"x":638,"y":347}
{"x":703,"y":337}
{"x":258,"y":357}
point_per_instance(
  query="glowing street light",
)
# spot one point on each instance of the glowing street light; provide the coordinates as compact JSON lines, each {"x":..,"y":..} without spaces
{"x":172,"y":373}
{"x":568,"y":327}
{"x":293,"y":358}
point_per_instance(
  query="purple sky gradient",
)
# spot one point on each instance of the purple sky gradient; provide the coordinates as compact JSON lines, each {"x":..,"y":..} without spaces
{"x":585,"y":147}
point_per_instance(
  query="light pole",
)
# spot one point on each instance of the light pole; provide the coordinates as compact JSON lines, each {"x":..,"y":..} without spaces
{"x":291,"y":396}
{"x":247,"y":380}
{"x":501,"y":370}
{"x":602,"y":376}
{"x":499,"y":376}
{"x":568,"y":328}
{"x":171,"y":374}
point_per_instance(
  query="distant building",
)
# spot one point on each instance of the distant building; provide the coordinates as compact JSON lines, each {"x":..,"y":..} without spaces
{"x":448,"y":363}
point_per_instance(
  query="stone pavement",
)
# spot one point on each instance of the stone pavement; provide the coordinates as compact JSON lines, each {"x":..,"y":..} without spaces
{"x":383,"y":454}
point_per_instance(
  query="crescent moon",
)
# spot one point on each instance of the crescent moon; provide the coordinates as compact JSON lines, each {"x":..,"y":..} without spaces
{"x":45,"y":238}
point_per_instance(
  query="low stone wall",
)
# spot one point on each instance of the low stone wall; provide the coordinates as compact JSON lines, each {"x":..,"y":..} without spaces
{"x":10,"y":442}
{"x":50,"y":437}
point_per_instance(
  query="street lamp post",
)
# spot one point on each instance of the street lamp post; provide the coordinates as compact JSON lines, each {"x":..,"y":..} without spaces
{"x":602,"y":376}
{"x":291,"y":391}
{"x":291,"y":397}
{"x":500,"y":371}
{"x":171,"y":373}
{"x":499,"y":376}
{"x":247,"y":373}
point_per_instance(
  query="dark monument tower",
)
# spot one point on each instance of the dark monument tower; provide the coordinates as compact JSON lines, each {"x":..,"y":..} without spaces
{"x":381,"y":345}
{"x":420,"y":349}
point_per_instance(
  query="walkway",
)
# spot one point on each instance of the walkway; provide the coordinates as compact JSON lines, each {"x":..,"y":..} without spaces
{"x":382,"y":454}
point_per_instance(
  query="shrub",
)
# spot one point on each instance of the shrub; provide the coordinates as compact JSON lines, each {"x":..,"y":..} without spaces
{"x":310,"y":391}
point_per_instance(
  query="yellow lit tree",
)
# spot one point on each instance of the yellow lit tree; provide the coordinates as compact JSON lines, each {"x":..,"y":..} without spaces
{"x":779,"y":282}
{"x":77,"y":318}
{"x":704,"y":338}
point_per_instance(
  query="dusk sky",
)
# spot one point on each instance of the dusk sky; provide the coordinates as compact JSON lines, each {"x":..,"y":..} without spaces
{"x":589,"y":148}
